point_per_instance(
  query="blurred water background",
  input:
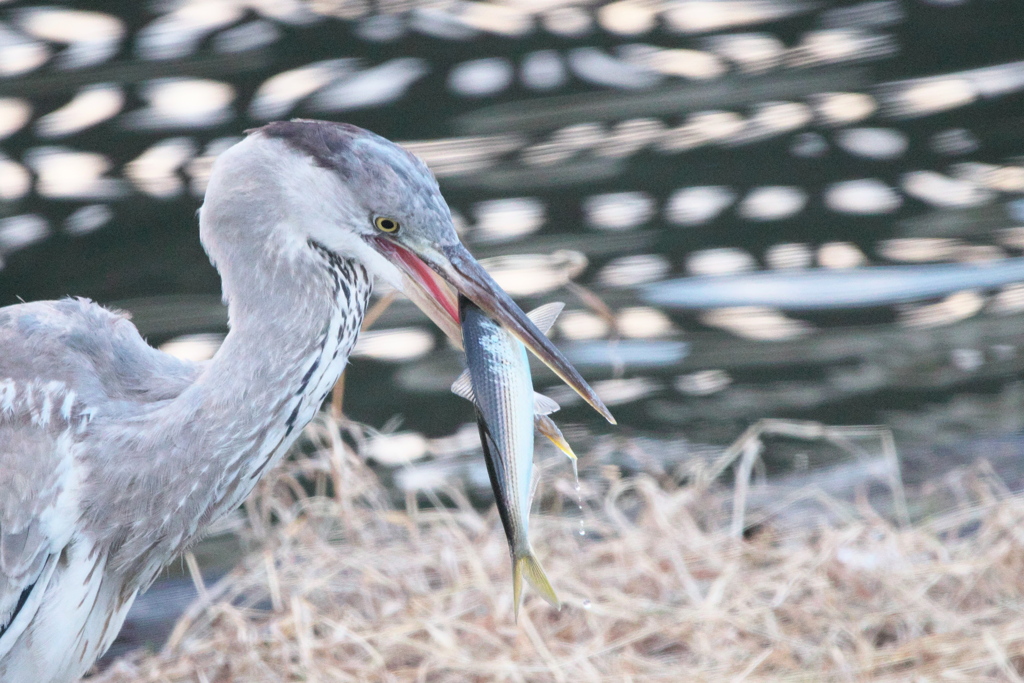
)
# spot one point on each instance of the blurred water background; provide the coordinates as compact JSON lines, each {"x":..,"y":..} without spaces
{"x":840,"y":183}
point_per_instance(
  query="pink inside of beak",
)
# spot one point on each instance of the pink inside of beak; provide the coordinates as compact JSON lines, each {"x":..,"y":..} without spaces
{"x":424,"y":275}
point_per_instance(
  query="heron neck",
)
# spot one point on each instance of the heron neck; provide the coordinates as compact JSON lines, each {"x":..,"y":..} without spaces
{"x":291,"y":334}
{"x":289,"y":341}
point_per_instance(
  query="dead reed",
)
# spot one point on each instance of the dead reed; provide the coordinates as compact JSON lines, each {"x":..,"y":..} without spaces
{"x":343,"y":587}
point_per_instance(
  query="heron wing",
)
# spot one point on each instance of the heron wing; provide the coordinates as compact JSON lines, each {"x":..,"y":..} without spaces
{"x":37,"y":503}
{"x":61,"y":361}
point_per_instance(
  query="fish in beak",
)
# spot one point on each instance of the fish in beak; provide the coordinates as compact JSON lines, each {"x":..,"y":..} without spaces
{"x":432,"y":276}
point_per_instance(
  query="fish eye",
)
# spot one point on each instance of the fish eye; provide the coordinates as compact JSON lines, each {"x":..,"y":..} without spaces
{"x":389,"y":225}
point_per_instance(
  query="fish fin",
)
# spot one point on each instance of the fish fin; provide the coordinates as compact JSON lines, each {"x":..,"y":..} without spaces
{"x":547,"y":427}
{"x":544,"y":316}
{"x":528,"y":566}
{"x":463,"y":386}
{"x":544,"y":405}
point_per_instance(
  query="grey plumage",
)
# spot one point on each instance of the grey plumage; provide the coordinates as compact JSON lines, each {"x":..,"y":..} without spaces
{"x":115,"y":456}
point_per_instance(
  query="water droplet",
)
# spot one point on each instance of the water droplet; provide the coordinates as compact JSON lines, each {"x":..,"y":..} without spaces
{"x":579,"y":496}
{"x":576,"y":472}
{"x":586,"y":604}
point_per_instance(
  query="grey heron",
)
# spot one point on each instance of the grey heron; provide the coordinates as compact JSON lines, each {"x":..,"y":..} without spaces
{"x":115,"y":456}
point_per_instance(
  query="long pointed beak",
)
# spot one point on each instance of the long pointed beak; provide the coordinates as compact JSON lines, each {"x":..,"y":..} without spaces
{"x":457,"y":268}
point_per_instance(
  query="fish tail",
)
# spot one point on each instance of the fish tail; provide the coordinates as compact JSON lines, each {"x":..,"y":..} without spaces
{"x":529,"y":566}
{"x":546,"y":426}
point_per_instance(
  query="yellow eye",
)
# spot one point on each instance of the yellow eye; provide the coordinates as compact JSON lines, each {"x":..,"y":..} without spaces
{"x":386,"y":224}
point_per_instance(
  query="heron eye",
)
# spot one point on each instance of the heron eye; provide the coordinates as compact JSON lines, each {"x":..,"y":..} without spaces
{"x":386,"y":224}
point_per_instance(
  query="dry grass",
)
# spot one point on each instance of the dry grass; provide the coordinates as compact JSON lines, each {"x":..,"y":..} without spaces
{"x":347,"y":589}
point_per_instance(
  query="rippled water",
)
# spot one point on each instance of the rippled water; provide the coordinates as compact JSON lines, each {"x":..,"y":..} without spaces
{"x":594,"y":154}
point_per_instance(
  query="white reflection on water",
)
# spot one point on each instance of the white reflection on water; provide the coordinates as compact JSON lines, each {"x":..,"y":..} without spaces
{"x":772,"y":203}
{"x":91,"y":37}
{"x":155,"y":171}
{"x":506,"y":219}
{"x":68,"y":174}
{"x":600,"y":68}
{"x":533,"y":274}
{"x":873,"y":143}
{"x":631,"y":353}
{"x":616,"y":392}
{"x":564,"y":143}
{"x":381,"y":28}
{"x":628,"y":17}
{"x":954,"y":142}
{"x":578,"y":324}
{"x":867,"y":14}
{"x":705,"y":16}
{"x":932,"y":94}
{"x":703,"y":382}
{"x":720,"y":261}
{"x":942,"y":191}
{"x":699,"y":129}
{"x":920,"y":249}
{"x":512,"y":19}
{"x":92,"y":105}
{"x":842,"y":108}
{"x":691,"y":64}
{"x":543,"y":70}
{"x":789,"y":256}
{"x":953,"y":308}
{"x":178,"y":33}
{"x":18,"y":232}
{"x":618,"y":210}
{"x":199,"y":167}
{"x":629,"y":136}
{"x":377,"y":85}
{"x":399,"y":344}
{"x":808,"y":145}
{"x":454,"y":156}
{"x":836,"y":46}
{"x":251,"y":35}
{"x":481,"y":77}
{"x":281,"y":92}
{"x":771,"y":119}
{"x":1007,"y":301}
{"x":698,"y":205}
{"x":568,"y":20}
{"x":751,"y":52}
{"x":438,"y":22}
{"x":183,"y":103}
{"x":840,"y":255}
{"x":864,"y":196}
{"x":643,"y":322}
{"x":295,"y":12}
{"x":193,"y":347}
{"x":833,"y":288}
{"x":88,"y":219}
{"x":756,"y":322}
{"x":14,"y":113}
{"x":20,"y":54}
{"x":15,"y":180}
{"x":999,"y":178}
{"x":627,"y":271}
{"x":398,"y":448}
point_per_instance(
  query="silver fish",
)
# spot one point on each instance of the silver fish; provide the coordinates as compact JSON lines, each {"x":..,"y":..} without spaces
{"x":499,"y":384}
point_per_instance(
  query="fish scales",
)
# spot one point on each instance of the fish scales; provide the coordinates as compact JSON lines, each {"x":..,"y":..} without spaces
{"x":503,"y":395}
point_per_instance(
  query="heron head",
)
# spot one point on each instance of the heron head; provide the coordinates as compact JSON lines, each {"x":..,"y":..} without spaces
{"x":369,"y":199}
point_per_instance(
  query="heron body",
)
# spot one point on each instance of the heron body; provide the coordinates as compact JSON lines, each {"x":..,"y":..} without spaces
{"x":115,"y":456}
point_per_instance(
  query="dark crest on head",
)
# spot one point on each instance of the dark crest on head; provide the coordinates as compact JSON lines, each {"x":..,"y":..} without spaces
{"x":328,"y":144}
